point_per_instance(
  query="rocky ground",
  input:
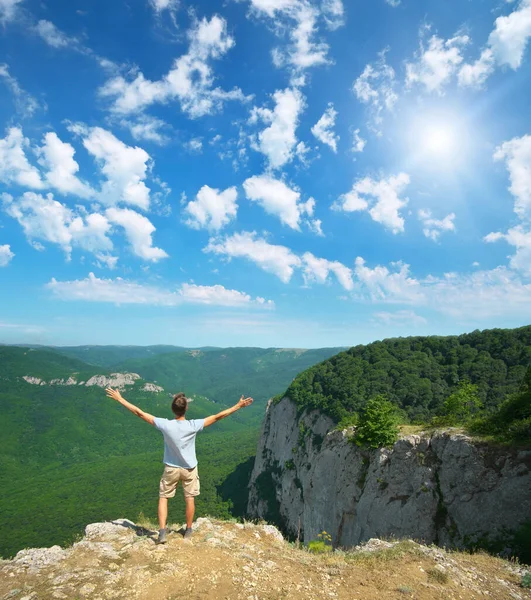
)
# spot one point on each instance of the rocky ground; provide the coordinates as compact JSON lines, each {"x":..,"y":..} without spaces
{"x":249,"y":562}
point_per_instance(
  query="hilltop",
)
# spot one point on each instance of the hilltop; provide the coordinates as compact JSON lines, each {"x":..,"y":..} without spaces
{"x":244,"y":561}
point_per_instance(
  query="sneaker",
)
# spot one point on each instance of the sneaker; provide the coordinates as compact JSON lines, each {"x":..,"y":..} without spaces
{"x":188,"y":533}
{"x":162,"y":536}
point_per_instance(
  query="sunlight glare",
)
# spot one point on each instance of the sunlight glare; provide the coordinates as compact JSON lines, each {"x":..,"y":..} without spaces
{"x":439,"y":140}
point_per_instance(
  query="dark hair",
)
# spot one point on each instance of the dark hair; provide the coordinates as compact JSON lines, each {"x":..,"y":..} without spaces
{"x":179,"y":404}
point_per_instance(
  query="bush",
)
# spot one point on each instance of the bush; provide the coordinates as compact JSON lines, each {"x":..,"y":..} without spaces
{"x":322,"y":544}
{"x":351,"y":420}
{"x":512,"y":420}
{"x":461,"y":406}
{"x":526,"y":581}
{"x":378,"y":424}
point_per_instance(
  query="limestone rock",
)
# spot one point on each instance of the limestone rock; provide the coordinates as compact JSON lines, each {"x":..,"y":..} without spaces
{"x":441,"y":487}
{"x":273,"y":531}
{"x":151,"y":387}
{"x":108,"y":532}
{"x":115,"y":380}
{"x":38,"y":558}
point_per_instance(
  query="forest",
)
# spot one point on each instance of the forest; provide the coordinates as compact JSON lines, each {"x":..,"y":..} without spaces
{"x":417,"y":374}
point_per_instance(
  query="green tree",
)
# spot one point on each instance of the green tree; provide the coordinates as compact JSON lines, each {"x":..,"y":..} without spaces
{"x":462,"y":405}
{"x":378,"y":425}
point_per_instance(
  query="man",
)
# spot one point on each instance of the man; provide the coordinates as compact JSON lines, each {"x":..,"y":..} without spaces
{"x":180,"y":462}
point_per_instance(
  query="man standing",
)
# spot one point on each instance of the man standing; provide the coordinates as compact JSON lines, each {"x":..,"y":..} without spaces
{"x":180,"y":462}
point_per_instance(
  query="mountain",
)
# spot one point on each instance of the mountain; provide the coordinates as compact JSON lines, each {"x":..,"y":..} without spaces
{"x":223,"y":375}
{"x":416,"y":373}
{"x":110,"y":356}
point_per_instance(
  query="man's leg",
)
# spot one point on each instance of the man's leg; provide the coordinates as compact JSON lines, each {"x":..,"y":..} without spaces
{"x":190,"y":510}
{"x":163,"y":512}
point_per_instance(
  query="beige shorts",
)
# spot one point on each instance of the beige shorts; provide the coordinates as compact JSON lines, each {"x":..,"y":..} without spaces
{"x":171,"y":477}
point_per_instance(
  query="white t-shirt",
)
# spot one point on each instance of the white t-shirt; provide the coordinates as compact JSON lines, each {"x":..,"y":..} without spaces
{"x":179,"y":441}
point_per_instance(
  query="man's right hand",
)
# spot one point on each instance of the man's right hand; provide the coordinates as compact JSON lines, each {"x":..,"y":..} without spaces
{"x":244,"y":402}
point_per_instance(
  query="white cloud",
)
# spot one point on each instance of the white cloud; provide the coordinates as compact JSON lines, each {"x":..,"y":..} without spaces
{"x":8,"y":9}
{"x":334,"y":13}
{"x":376,"y":88}
{"x":470,"y":297}
{"x":517,"y":155}
{"x":382,"y":285}
{"x":400,"y":317}
{"x":511,"y":35}
{"x":300,"y":19}
{"x":278,"y":199}
{"x":57,"y":158}
{"x":277,"y":142}
{"x":138,"y":230}
{"x":323,"y":130}
{"x":520,"y":238}
{"x":161,"y":5}
{"x":53,"y":36}
{"x":44,"y":218}
{"x":317,"y":270}
{"x":121,"y":291}
{"x":125,"y":167}
{"x":217,"y":295}
{"x":315,"y":225}
{"x":476,"y":74}
{"x":358,"y":143}
{"x":212,"y":209}
{"x":147,"y":128}
{"x":195,"y":145}
{"x":382,"y":199}
{"x":432,"y":228}
{"x":393,"y":3}
{"x":25,"y":104}
{"x":14,"y":166}
{"x":278,"y":260}
{"x":5,"y":255}
{"x":506,"y":46}
{"x":190,"y":80}
{"x":436,"y":64}
{"x":481,"y":295}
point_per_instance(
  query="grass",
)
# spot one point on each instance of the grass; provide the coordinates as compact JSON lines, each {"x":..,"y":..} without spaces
{"x":437,"y":576}
{"x":368,"y":558}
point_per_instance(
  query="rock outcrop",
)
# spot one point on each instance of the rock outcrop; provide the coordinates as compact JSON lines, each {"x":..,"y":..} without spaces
{"x":114,"y":380}
{"x":246,"y":561}
{"x":441,"y":488}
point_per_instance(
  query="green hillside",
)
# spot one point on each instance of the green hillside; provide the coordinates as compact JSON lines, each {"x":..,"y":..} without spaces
{"x":110,"y":356}
{"x":417,"y":373}
{"x":222,"y":375}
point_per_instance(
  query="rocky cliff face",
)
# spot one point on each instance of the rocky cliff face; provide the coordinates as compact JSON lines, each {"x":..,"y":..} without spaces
{"x":442,"y":488}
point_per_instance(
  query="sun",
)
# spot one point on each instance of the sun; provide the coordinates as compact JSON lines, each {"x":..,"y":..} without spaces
{"x":439,"y":140}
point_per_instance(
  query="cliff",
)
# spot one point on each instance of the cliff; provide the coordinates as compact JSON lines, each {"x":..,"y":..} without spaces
{"x":245,"y":561}
{"x":441,"y":488}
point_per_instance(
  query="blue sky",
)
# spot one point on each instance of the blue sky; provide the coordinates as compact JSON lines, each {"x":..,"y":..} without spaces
{"x":297,"y":173}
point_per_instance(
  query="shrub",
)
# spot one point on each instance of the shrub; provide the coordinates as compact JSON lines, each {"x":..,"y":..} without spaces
{"x":350,"y":420}
{"x":378,"y":424}
{"x":526,"y":581}
{"x":322,"y":544}
{"x":461,"y":406}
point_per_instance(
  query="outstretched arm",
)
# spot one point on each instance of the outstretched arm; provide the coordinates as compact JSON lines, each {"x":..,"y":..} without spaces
{"x":115,"y":395}
{"x":225,"y":413}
